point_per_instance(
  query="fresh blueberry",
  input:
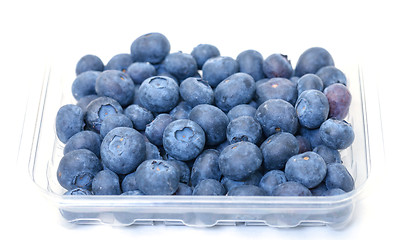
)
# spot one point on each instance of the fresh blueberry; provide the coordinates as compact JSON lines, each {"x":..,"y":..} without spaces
{"x":152,"y":151}
{"x":98,"y":109}
{"x":157,"y":177}
{"x":241,"y":110}
{"x":151,"y":47}
{"x":85,"y":100}
{"x":330,"y":75}
{"x":246,"y":190}
{"x":277,"y":66}
{"x":117,"y":85}
{"x":202,"y":52}
{"x":276,"y":88}
{"x":238,"y":88}
{"x":159,"y":94}
{"x":84,"y":84}
{"x":319,"y":189}
{"x":183,"y":139}
{"x":129,"y":183}
{"x":328,"y":154}
{"x":309,"y":81}
{"x":253,"y":179}
{"x":271,"y":179}
{"x":339,"y":177}
{"x":77,"y":169}
{"x":312,"y":135}
{"x":184,"y":170}
{"x":277,"y":149}
{"x":181,"y":65}
{"x":333,"y":192}
{"x":184,"y":189}
{"x":89,"y":63}
{"x":209,"y":187}
{"x":119,"y":62}
{"x":212,"y":120}
{"x":123,"y":149}
{"x":216,"y":69}
{"x":291,"y":189}
{"x":277,"y":115}
{"x":307,"y":168}
{"x":181,"y":111}
{"x":339,"y":99}
{"x":139,"y":71}
{"x":337,"y":134}
{"x":312,"y":60}
{"x":106,"y":182}
{"x":312,"y":108}
{"x":239,"y":160}
{"x":304,"y":144}
{"x":114,"y":121}
{"x":161,"y":71}
{"x":139,"y":116}
{"x":69,"y":121}
{"x":206,"y":167}
{"x":154,"y":130}
{"x":244,"y":128}
{"x":84,"y":140}
{"x":196,"y":91}
{"x":250,"y":62}
{"x":78,"y":192}
{"x":133,"y":193}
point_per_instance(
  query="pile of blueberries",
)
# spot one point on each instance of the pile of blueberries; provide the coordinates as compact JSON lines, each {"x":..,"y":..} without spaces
{"x":158,"y":123}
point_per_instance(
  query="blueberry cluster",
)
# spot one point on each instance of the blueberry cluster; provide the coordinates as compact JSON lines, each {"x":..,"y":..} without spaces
{"x":154,"y":122}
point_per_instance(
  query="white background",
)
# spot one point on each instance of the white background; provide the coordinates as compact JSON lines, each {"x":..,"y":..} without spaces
{"x":33,"y":32}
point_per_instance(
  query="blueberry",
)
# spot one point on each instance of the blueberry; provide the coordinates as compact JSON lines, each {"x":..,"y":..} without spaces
{"x":244,"y":128}
{"x":152,"y":151}
{"x":253,"y":179}
{"x":119,"y":62}
{"x":98,"y":109}
{"x":291,"y":189}
{"x":117,"y":85}
{"x":84,"y":140}
{"x":184,"y":189}
{"x":216,"y":69}
{"x":277,"y":66}
{"x":276,"y":88}
{"x":129,"y":183}
{"x":182,"y":168}
{"x":304,"y":144}
{"x":250,"y":62}
{"x":312,"y":135}
{"x":106,"y":182}
{"x":89,"y":63}
{"x":238,"y":88}
{"x":206,"y":167}
{"x":77,"y":169}
{"x":309,"y":81}
{"x":271,"y":179}
{"x":122,"y":150}
{"x":133,"y":193}
{"x":69,"y":121}
{"x":139,"y":116}
{"x":78,"y":192}
{"x":312,"y":60}
{"x":312,"y":108}
{"x":181,"y":65}
{"x":239,"y":160}
{"x":85,"y":100}
{"x":319,"y":189}
{"x":339,"y":177}
{"x":159,"y":94}
{"x":339,"y":99}
{"x":277,"y":149}
{"x":330,"y":75}
{"x":181,"y":111}
{"x":307,"y":168}
{"x":114,"y":121}
{"x":246,"y":190}
{"x":209,"y":187}
{"x":212,"y":120}
{"x":139,"y":71}
{"x":328,"y":154}
{"x":183,"y":139}
{"x":333,"y":192}
{"x":157,"y":177}
{"x":151,"y":47}
{"x":337,"y":134}
{"x":84,"y":84}
{"x":202,"y":52}
{"x":277,"y":115}
{"x":196,"y":91}
{"x":241,"y":110}
{"x":154,"y":130}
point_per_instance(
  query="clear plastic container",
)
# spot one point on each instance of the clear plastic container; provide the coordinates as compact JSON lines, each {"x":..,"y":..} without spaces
{"x":41,"y":152}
